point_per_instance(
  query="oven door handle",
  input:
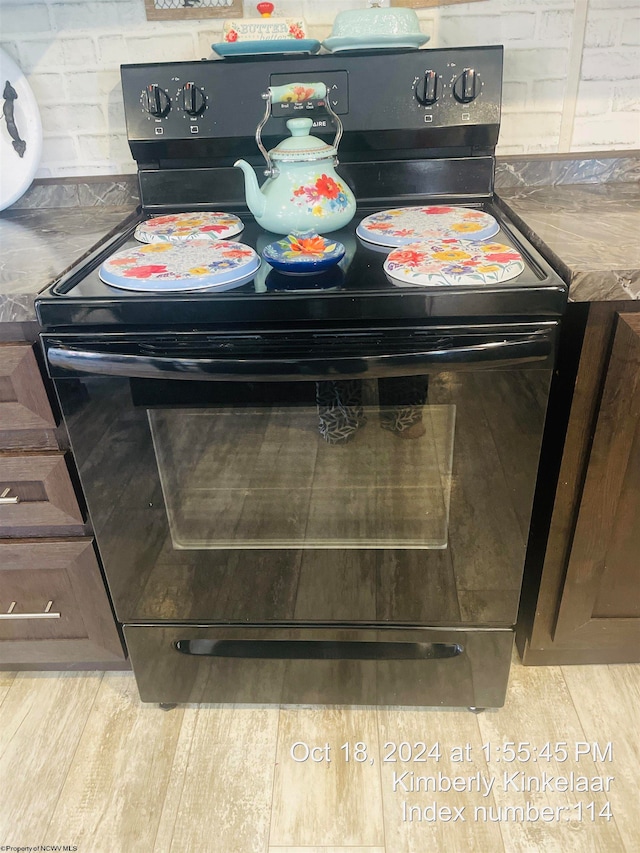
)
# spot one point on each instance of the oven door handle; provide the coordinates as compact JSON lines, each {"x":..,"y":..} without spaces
{"x":534,"y":347}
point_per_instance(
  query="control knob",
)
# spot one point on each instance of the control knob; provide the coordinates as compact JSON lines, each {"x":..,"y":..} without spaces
{"x":156,"y":101}
{"x":465,"y":88}
{"x":426,"y":88}
{"x":193,"y":100}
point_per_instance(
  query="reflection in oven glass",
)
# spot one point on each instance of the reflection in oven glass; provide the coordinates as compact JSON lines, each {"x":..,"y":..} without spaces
{"x":481,"y":442}
{"x":355,"y":474}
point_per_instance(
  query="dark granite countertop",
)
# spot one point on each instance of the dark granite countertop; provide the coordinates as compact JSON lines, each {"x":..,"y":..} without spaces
{"x":37,"y":245}
{"x":588,"y":232}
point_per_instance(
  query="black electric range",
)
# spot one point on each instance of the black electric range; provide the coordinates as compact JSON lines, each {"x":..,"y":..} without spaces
{"x":312,"y":489}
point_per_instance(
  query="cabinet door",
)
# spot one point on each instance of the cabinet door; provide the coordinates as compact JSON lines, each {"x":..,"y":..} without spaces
{"x":53,"y":604}
{"x":26,"y":418}
{"x":37,"y":497}
{"x":600,"y":604}
{"x":23,"y":400}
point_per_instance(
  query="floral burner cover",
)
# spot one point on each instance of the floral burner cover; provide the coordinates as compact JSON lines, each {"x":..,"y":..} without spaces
{"x":453,"y":262}
{"x":179,"y":227}
{"x":195,"y":265}
{"x":406,"y":224}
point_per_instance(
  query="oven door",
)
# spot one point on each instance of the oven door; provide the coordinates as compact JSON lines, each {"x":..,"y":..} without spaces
{"x":347,"y":477}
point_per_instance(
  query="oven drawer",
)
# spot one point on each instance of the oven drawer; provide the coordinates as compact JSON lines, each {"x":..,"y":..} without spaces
{"x":53,"y":604}
{"x":427,"y":667}
{"x":37,"y":497}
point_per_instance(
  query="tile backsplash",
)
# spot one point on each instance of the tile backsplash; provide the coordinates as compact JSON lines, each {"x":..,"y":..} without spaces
{"x":571,"y":76}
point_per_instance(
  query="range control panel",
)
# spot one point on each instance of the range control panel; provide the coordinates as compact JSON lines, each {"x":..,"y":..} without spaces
{"x":438,"y":96}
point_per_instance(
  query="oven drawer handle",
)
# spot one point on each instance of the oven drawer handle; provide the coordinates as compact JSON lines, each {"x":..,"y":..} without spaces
{"x":318,"y":649}
{"x":534,"y":347}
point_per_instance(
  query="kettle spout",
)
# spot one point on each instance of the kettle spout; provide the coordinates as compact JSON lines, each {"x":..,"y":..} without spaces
{"x":256,"y":201}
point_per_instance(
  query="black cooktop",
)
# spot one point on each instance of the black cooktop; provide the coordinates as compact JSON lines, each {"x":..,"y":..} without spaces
{"x":358,"y":289}
{"x":425,"y":133}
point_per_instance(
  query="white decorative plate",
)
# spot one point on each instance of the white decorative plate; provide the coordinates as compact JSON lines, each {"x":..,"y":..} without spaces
{"x":168,"y":267}
{"x":17,"y":171}
{"x":406,"y":224}
{"x":180,"y":227}
{"x":453,"y":262}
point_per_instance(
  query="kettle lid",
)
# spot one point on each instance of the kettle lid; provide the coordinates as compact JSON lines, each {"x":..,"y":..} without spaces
{"x":300,"y":145}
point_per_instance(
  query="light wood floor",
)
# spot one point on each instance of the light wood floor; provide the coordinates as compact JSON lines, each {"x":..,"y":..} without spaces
{"x":83,"y":762}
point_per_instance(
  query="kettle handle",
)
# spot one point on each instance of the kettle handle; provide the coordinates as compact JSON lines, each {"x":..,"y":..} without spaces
{"x":295,"y":93}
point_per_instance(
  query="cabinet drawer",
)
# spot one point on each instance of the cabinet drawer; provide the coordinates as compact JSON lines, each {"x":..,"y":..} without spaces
{"x":54,"y":606}
{"x":37,"y":497}
{"x":24,"y":404}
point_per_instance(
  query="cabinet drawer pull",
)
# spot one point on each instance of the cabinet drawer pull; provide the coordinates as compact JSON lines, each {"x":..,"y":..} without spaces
{"x":5,"y":498}
{"x":46,"y":613}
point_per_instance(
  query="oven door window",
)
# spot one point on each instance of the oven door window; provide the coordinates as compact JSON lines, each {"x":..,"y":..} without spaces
{"x":358,"y":463}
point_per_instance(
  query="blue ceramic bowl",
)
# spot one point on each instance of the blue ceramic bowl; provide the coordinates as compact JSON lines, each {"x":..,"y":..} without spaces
{"x":303,"y":253}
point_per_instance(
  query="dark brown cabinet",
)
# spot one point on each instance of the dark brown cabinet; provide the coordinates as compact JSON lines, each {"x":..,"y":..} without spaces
{"x":54,"y":608}
{"x":26,"y":417}
{"x":581,"y":599}
{"x":57,"y":609}
{"x":37,"y":497}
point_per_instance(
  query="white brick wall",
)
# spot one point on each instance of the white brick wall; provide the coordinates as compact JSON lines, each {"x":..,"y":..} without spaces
{"x":631,"y":33}
{"x":555,"y":26}
{"x":71,"y":51}
{"x":607,"y":110}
